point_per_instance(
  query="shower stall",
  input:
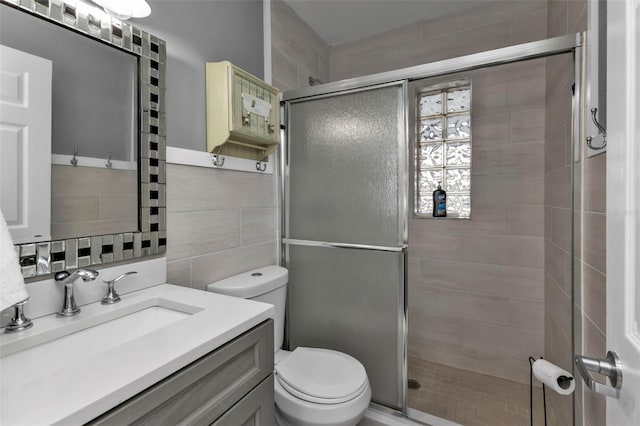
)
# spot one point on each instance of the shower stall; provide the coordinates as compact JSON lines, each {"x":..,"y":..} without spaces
{"x":452,"y":306}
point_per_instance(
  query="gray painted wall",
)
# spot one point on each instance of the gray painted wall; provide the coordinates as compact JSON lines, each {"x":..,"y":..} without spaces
{"x":197,"y":31}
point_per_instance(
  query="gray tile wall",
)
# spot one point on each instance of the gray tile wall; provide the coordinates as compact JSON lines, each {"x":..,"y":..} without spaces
{"x":489,"y":25}
{"x":476,"y":287}
{"x":219,"y":223}
{"x":297,"y":52}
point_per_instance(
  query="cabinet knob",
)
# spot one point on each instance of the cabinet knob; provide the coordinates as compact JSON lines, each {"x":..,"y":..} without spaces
{"x":272,"y":128}
{"x":246,"y":120}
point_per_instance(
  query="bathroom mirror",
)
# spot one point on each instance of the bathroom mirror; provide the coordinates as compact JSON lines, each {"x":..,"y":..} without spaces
{"x":94,"y":116}
{"x":108,"y":118}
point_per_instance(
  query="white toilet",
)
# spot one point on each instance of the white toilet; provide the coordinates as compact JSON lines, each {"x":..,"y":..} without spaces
{"x":312,"y":386}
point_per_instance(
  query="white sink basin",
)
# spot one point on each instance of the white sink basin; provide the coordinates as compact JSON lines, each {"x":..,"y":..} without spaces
{"x":71,"y":370}
{"x":87,"y":337}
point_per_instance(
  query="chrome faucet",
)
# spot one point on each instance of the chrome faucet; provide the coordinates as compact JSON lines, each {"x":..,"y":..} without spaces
{"x":69,"y":307}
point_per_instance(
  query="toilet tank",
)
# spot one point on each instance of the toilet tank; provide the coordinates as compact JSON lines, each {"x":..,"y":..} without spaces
{"x":267,"y":284}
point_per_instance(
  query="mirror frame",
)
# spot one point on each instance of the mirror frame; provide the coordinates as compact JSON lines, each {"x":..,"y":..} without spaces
{"x":43,"y":258}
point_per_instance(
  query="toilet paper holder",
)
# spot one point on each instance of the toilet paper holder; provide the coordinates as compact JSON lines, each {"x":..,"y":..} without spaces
{"x":610,"y":367}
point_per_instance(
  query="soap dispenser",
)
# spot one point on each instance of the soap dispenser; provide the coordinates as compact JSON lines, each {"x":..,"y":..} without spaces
{"x":439,"y":202}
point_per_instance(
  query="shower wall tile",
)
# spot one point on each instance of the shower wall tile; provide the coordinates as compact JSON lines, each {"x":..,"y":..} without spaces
{"x":219,"y":223}
{"x":558,"y":305}
{"x":557,"y":187}
{"x":479,"y":336}
{"x":595,"y":175}
{"x":526,"y":314}
{"x":485,"y":279}
{"x":594,"y":293}
{"x":297,"y":52}
{"x":486,"y":275}
{"x":558,"y":147}
{"x":530,"y":27}
{"x":454,"y":304}
{"x":561,"y":228}
{"x":486,"y":26}
{"x":594,"y":235}
{"x":526,"y":219}
{"x":557,"y":19}
{"x":488,"y":363}
{"x":528,"y":126}
{"x":554,"y":265}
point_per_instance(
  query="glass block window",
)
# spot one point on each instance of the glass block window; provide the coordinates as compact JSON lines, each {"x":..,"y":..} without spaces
{"x":443,"y":151}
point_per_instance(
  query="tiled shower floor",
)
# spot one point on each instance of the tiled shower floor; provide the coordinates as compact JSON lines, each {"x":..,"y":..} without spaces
{"x":471,"y":399}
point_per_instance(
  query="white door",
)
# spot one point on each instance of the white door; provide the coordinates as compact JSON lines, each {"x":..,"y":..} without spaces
{"x":25,"y":144}
{"x":623,"y":205}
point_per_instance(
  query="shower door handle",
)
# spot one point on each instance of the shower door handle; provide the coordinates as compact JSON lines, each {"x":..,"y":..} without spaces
{"x":609,"y":367}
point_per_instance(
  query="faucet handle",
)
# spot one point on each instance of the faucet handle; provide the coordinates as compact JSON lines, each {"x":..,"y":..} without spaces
{"x":112,"y":296}
{"x":59,"y":276}
{"x":19,"y":322}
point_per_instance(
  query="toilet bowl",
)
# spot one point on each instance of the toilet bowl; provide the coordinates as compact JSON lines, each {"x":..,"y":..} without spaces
{"x":313,"y":386}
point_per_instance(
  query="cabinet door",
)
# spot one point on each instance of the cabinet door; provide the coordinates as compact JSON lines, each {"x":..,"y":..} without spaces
{"x":255,"y":409}
{"x":202,"y":391}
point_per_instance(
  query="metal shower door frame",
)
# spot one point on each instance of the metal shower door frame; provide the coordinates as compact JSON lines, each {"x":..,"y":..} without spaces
{"x":571,"y":43}
{"x":403,"y":219}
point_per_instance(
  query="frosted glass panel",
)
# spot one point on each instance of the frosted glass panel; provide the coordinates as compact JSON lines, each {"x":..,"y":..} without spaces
{"x":458,"y":153}
{"x":425,"y":204}
{"x":459,"y":126}
{"x":459,"y":100}
{"x":431,"y":104}
{"x":350,"y":301}
{"x":459,"y":180}
{"x":428,"y":180}
{"x":344,"y":167}
{"x":431,"y":130}
{"x":431,"y":155}
{"x":459,"y":205}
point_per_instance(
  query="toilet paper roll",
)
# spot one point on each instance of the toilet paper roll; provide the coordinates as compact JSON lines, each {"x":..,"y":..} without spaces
{"x":554,"y":377}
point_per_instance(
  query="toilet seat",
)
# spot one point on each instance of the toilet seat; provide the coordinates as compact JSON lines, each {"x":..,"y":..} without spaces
{"x":321,"y":376}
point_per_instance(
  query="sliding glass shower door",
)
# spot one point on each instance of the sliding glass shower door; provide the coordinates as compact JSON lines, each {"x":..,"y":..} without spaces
{"x":345,"y":231}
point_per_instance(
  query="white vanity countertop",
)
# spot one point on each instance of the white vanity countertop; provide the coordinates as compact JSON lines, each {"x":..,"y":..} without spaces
{"x":59,"y":391}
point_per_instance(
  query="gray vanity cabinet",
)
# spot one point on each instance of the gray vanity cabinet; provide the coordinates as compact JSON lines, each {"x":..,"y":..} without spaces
{"x":232,"y":385}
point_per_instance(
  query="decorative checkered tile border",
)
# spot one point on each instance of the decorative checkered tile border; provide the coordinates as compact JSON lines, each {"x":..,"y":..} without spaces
{"x":44,"y":258}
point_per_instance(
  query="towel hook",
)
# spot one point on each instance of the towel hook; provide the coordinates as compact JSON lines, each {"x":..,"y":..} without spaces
{"x":74,"y":160}
{"x":108,"y":163}
{"x":601,"y":130}
{"x":216,"y":158}
{"x":261,"y":165}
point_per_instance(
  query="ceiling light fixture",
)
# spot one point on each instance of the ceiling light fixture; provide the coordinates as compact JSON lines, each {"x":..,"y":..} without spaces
{"x":125,"y":9}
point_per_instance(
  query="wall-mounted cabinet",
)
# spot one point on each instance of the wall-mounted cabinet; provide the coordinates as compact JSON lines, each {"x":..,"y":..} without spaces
{"x":243,"y":113}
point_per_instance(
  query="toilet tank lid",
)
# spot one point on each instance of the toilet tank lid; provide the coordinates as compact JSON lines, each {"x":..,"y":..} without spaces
{"x":252,"y":283}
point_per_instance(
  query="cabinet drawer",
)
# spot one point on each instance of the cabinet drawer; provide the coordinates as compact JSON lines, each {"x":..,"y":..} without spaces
{"x":202,"y":391}
{"x":255,"y":409}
